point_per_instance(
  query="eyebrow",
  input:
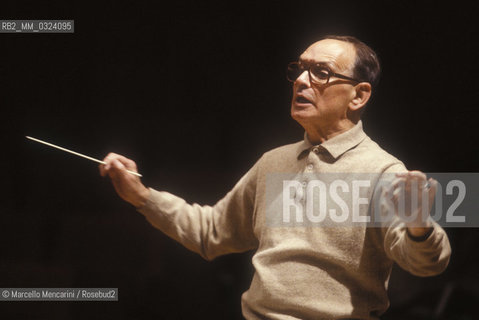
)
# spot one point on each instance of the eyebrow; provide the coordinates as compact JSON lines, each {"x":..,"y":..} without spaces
{"x":327,"y":64}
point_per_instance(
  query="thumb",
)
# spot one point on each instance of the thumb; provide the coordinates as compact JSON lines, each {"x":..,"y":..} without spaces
{"x":118,"y":165}
{"x":117,"y":169}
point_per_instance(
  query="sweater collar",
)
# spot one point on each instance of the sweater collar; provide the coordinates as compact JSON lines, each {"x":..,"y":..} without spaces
{"x":337,"y":145}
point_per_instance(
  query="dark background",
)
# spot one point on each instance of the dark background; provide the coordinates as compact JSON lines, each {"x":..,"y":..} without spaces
{"x":195,"y":92}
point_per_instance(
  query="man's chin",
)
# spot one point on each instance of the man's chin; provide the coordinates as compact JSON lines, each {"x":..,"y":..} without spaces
{"x":301,"y":112}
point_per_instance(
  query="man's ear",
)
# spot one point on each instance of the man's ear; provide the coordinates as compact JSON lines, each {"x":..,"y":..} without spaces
{"x":363,"y":93}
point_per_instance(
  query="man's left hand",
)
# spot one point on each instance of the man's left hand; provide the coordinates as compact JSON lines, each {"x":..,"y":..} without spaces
{"x":405,"y":189}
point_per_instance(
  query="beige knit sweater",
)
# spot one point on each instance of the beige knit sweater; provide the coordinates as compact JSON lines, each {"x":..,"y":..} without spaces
{"x":309,"y":271}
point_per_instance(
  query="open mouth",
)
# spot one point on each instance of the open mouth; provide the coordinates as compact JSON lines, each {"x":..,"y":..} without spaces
{"x":302,"y":100}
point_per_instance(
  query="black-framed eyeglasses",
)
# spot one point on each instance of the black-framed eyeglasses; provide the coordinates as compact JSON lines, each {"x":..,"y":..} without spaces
{"x":318,"y":73}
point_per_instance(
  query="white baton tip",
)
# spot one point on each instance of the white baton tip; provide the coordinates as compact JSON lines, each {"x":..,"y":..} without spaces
{"x":76,"y":153}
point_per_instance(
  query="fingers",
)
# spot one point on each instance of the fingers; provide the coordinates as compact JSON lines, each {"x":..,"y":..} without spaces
{"x":410,"y":178}
{"x":116,"y":163}
{"x":116,"y":169}
{"x":104,"y":168}
{"x":409,"y":183}
{"x":432,"y":189}
{"x":412,"y":175}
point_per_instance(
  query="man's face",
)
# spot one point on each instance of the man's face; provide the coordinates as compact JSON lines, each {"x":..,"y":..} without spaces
{"x":326,"y":105}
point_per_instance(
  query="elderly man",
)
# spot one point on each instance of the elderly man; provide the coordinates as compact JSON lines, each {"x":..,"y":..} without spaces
{"x":304,"y":271}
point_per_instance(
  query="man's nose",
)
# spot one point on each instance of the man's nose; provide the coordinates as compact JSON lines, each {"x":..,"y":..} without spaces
{"x":303,"y":79}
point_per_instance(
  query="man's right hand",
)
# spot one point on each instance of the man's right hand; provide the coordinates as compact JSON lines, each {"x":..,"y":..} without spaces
{"x":127,"y":185}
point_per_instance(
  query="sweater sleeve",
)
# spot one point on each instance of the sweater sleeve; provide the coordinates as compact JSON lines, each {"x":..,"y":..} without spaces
{"x":210,"y":231}
{"x":426,"y":257}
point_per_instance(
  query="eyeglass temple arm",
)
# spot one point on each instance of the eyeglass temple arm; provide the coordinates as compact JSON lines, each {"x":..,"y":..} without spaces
{"x":337,"y":75}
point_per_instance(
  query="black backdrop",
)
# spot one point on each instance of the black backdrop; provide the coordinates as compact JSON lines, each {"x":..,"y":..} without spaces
{"x":195,"y":92}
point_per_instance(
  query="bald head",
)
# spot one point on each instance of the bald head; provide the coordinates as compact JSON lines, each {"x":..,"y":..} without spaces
{"x":338,"y":55}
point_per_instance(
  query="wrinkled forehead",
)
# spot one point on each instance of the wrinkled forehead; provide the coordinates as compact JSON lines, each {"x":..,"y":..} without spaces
{"x":339,"y":55}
